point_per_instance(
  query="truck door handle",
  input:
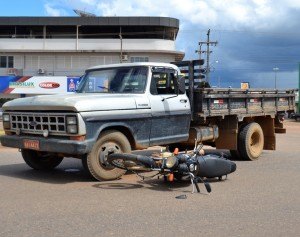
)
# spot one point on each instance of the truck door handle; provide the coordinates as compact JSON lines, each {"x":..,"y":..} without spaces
{"x":183,"y":100}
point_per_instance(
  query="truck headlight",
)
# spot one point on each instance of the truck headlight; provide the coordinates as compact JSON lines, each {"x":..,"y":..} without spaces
{"x":6,"y":121}
{"x":72,"y":129}
{"x":6,"y":118}
{"x":71,"y":120}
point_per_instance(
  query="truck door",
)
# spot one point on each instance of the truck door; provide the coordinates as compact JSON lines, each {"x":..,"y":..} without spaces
{"x":171,"y":113}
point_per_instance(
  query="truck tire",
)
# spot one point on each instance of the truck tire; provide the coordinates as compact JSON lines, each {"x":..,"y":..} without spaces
{"x":38,"y":161}
{"x":96,"y":161}
{"x":251,"y":142}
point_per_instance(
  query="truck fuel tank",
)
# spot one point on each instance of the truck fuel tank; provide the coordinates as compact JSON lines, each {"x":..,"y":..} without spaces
{"x":203,"y":133}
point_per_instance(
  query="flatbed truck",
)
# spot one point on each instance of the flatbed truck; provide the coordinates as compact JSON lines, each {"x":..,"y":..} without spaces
{"x":130,"y":106}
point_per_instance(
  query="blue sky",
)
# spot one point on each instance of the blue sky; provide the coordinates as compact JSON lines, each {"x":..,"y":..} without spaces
{"x":254,"y":35}
{"x":22,"y":8}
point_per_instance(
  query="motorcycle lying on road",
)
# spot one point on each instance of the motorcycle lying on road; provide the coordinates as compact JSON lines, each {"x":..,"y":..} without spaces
{"x":193,"y":165}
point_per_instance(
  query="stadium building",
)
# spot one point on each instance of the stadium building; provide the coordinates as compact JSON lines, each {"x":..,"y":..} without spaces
{"x":39,"y":49}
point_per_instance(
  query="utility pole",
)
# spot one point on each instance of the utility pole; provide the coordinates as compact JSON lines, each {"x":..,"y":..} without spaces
{"x":200,"y":51}
{"x":208,"y":43}
{"x":201,"y":70}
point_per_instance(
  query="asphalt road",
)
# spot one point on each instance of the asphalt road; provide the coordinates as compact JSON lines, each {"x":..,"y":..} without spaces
{"x":261,"y":198}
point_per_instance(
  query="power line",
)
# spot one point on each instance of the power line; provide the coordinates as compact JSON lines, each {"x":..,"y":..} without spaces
{"x":208,"y":43}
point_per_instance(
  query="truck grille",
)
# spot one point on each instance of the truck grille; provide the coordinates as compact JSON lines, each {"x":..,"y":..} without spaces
{"x":35,"y":123}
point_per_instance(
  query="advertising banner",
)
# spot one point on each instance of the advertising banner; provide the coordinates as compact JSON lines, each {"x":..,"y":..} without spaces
{"x":38,"y":84}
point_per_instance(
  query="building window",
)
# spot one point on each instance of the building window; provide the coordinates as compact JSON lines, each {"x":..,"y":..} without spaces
{"x":139,"y":59}
{"x":6,"y":61}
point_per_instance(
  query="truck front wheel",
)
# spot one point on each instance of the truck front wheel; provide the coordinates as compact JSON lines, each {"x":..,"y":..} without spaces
{"x":40,"y":160}
{"x":251,"y":142}
{"x":96,"y":161}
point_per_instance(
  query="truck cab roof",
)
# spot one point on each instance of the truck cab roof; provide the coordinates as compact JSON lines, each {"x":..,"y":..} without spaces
{"x":153,"y":64}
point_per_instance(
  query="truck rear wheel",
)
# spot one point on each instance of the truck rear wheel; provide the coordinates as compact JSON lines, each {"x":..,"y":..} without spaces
{"x":39,"y":160}
{"x":251,"y":142}
{"x":96,"y":161}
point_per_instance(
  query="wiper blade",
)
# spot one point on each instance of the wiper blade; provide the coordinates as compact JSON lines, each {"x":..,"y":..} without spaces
{"x":103,"y":87}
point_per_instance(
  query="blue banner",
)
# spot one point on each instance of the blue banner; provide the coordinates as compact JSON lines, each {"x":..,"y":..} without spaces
{"x":73,"y":83}
{"x":5,"y":80}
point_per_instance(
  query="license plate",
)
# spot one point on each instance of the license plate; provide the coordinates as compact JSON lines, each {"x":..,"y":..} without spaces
{"x":31,"y":144}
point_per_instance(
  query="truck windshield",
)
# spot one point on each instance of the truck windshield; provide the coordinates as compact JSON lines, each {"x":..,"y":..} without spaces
{"x":115,"y":80}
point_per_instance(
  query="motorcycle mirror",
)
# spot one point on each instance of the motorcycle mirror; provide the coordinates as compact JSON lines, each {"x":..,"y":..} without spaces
{"x":167,"y":148}
{"x":181,"y":196}
{"x":207,"y":186}
{"x":195,"y":147}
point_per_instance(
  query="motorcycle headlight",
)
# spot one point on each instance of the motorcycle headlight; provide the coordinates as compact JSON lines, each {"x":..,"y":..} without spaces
{"x":171,"y":162}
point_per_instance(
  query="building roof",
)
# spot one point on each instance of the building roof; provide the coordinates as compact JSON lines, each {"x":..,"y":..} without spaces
{"x":90,"y":21}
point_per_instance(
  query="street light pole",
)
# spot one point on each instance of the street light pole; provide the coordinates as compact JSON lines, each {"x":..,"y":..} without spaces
{"x":275,"y":69}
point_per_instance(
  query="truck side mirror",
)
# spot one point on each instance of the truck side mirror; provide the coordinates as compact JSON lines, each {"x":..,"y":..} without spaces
{"x":181,"y":84}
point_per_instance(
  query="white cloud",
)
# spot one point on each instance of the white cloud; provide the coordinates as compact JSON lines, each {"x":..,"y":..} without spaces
{"x":228,"y":14}
{"x":293,"y":3}
{"x":89,"y":2}
{"x":253,"y":34}
{"x":51,"y":11}
{"x":254,"y":15}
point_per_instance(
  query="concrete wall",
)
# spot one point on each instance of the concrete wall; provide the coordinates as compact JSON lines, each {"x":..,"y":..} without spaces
{"x":86,"y":44}
{"x":71,"y":64}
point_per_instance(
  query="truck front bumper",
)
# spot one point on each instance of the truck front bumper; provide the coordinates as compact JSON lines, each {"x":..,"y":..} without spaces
{"x":48,"y":144}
